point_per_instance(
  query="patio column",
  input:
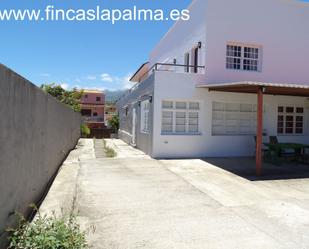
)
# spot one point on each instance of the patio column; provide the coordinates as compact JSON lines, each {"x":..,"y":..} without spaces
{"x":259,"y":133}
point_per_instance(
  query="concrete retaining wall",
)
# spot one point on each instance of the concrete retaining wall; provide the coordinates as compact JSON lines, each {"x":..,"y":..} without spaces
{"x":36,"y":134}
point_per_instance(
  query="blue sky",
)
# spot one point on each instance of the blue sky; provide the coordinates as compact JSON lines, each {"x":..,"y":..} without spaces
{"x":84,"y":54}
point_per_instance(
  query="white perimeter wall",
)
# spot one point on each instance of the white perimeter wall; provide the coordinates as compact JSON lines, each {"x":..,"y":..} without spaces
{"x":280,"y":26}
{"x":174,"y":86}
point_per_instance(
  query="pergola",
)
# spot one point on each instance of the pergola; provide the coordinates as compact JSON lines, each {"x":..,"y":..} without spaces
{"x":260,"y":89}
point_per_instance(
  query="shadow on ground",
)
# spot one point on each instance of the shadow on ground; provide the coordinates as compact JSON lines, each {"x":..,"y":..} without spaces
{"x":245,"y":167}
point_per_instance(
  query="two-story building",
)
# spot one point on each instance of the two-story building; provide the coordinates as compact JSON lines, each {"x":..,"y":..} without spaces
{"x":92,"y":108}
{"x":237,"y":69}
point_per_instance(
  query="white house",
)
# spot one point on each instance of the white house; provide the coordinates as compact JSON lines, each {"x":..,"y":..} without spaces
{"x":197,"y":95}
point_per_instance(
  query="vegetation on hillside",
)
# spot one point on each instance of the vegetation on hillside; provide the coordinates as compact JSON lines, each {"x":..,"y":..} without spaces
{"x":112,"y":96}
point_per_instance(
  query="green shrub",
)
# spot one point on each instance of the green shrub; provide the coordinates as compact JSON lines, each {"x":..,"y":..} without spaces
{"x":48,"y":232}
{"x":114,"y":123}
{"x":109,"y":152}
{"x":85,"y":131}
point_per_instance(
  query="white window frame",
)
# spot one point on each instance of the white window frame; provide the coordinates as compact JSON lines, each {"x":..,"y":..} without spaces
{"x":295,"y":115}
{"x":245,"y":53}
{"x":188,"y":124}
{"x":145,"y":110}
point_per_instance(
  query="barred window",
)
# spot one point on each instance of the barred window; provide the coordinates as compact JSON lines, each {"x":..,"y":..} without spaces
{"x":233,"y":118}
{"x":145,"y":108}
{"x":180,"y":117}
{"x":290,"y":120}
{"x":243,"y":57}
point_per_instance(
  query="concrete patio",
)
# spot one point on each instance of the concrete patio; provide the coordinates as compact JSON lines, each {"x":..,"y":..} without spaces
{"x":138,"y":202}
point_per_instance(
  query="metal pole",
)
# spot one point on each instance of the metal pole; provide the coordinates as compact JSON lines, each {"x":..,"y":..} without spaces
{"x":259,"y":134}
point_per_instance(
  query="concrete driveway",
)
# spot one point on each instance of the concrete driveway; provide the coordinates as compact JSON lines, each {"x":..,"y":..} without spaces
{"x":137,"y":202}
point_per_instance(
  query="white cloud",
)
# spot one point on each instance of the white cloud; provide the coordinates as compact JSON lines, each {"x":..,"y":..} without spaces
{"x":125,"y":81}
{"x":65,"y":86}
{"x":106,"y":77}
{"x":108,"y":82}
{"x":117,"y":82}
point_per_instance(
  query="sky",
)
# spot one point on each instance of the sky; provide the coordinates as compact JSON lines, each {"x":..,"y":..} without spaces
{"x":81,"y":54}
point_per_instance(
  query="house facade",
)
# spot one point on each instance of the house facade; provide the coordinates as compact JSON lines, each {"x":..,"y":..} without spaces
{"x":198,"y":94}
{"x":92,"y":108}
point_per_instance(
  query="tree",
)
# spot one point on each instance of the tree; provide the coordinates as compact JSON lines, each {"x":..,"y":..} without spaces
{"x":70,"y":98}
{"x":114,"y":123}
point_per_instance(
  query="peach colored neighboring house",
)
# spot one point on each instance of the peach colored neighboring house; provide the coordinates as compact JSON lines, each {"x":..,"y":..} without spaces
{"x":92,"y":108}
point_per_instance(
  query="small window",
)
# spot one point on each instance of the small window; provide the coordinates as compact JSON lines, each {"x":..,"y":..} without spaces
{"x":180,"y":117}
{"x":145,"y":108}
{"x":98,"y":99}
{"x":95,"y":114}
{"x":181,"y":105}
{"x":233,"y":57}
{"x":233,"y":119}
{"x":243,"y":57}
{"x":86,"y":96}
{"x":181,"y":121}
{"x":194,"y":105}
{"x":86,"y":112}
{"x":290,"y":120}
{"x":167,"y":105}
{"x":167,"y":121}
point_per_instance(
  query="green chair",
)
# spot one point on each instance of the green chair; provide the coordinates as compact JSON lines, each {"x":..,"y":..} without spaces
{"x":273,"y":140}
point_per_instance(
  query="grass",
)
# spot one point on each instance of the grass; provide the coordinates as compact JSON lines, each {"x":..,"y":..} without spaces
{"x":109,"y":152}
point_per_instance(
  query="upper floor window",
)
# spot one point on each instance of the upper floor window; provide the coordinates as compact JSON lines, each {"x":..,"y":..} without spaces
{"x":86,"y":96}
{"x":98,"y":99}
{"x":243,"y":57}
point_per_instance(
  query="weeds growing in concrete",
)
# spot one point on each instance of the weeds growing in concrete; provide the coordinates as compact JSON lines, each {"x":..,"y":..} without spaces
{"x":109,"y":152}
{"x":48,"y":232}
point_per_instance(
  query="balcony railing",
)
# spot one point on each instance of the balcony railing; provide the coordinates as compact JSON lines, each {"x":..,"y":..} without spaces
{"x":168,"y":67}
{"x":93,"y":119}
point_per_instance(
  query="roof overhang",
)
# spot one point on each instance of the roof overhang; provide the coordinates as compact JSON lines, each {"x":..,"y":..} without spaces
{"x":140,"y":72}
{"x":252,"y":87}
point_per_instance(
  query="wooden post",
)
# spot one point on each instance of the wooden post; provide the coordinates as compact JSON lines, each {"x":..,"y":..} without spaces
{"x":259,"y":134}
